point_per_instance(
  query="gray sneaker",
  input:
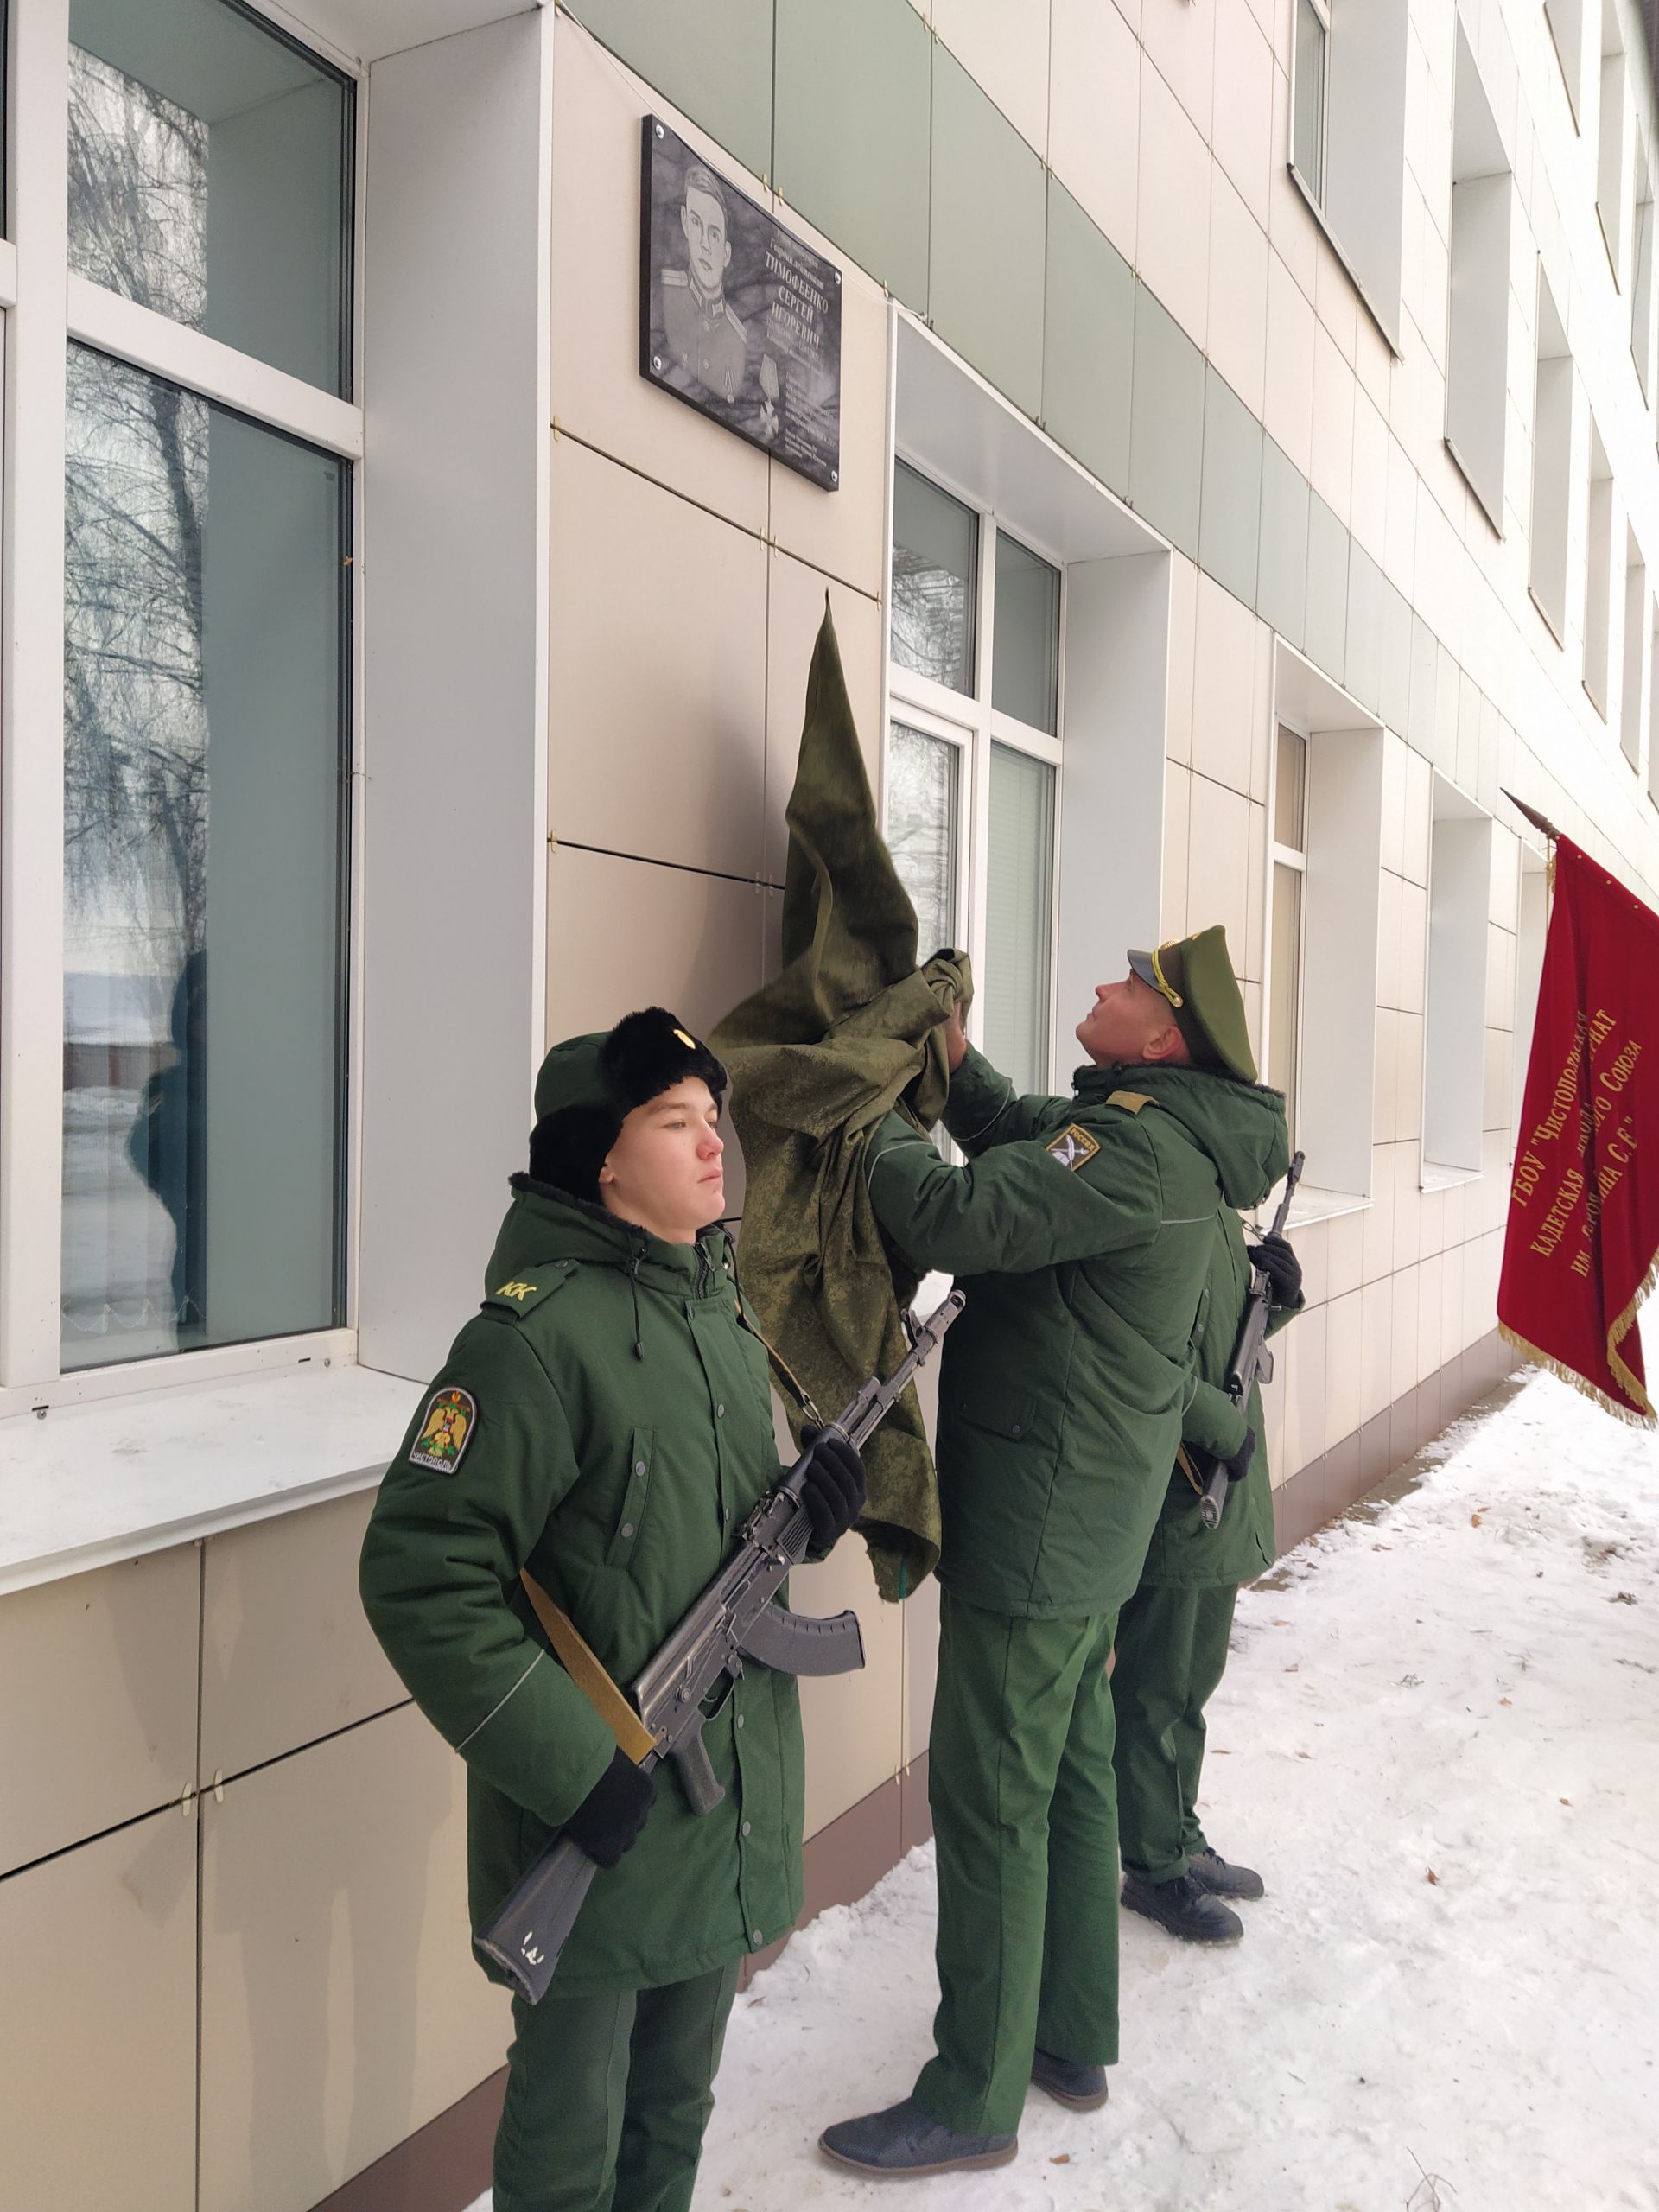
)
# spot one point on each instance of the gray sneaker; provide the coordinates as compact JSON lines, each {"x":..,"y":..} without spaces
{"x":1083,"y":2087}
{"x":1223,"y":1879}
{"x":905,"y":2139}
{"x":1186,"y":1908}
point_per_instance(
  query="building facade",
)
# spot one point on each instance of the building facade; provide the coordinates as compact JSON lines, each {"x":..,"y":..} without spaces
{"x":1246,"y":476}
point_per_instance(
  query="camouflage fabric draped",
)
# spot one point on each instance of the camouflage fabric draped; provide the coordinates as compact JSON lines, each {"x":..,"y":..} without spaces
{"x":849,"y":1029}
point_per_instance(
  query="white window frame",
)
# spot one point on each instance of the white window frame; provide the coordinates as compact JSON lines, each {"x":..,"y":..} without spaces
{"x":1455,"y":1046}
{"x":1612,"y":153}
{"x":1383,"y":101}
{"x":1294,"y":858}
{"x":973,"y":724}
{"x":1312,"y":186}
{"x":45,"y":308}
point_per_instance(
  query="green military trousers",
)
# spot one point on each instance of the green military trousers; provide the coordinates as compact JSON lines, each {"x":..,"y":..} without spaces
{"x":1171,"y":1652}
{"x":608,"y":2097}
{"x":1020,"y":1780}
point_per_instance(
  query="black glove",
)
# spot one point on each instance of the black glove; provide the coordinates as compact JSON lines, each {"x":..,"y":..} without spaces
{"x":1239,"y":1465}
{"x":833,"y":1492}
{"x":609,"y":1818}
{"x":1282,"y":1267}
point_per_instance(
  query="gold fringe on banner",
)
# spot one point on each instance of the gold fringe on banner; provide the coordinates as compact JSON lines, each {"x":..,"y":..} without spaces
{"x":1621,"y":1329}
{"x":1571,"y":1376}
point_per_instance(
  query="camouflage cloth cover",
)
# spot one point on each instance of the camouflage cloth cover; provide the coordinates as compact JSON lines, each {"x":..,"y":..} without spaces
{"x":851,"y":1028}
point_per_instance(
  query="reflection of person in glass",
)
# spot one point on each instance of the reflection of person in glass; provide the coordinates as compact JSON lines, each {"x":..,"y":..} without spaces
{"x":702,"y":333}
{"x":169,"y":1143}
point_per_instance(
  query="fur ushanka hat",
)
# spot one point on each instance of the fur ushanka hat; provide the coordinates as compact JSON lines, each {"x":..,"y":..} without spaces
{"x":589,"y":1085}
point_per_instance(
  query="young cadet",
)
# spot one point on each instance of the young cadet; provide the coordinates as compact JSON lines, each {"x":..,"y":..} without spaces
{"x":604,"y":1422}
{"x":1085,"y":1228}
{"x":1172,"y":1635}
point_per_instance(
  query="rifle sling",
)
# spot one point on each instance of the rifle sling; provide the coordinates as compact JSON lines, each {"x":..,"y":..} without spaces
{"x":589,"y":1676}
{"x":1186,"y":1467}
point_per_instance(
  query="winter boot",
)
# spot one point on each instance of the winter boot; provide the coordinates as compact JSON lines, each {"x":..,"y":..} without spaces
{"x":1186,"y":1908}
{"x":1083,"y":2087}
{"x":1212,"y":1873}
{"x":905,"y":2139}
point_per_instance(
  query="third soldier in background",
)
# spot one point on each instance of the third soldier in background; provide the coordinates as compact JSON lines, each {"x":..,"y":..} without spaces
{"x":1172,"y":1634}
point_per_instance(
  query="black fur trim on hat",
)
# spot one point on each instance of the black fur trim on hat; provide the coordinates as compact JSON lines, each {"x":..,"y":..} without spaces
{"x":645,"y":1055}
{"x":569,"y":1148}
{"x":650,"y":1051}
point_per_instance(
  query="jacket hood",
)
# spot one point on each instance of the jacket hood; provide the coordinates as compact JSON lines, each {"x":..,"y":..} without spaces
{"x":544,"y":1225}
{"x":1240,"y":1125}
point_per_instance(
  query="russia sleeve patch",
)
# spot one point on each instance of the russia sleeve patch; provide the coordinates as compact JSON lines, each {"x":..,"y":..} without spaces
{"x":1074,"y":1147}
{"x":446,"y":1430}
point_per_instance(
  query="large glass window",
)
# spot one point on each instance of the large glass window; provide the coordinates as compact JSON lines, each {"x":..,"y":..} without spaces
{"x":935,"y":562}
{"x":210,"y":177}
{"x":1025,"y":653}
{"x":923,"y":778}
{"x":973,"y":757}
{"x":204,"y":785}
{"x":1019,"y":920}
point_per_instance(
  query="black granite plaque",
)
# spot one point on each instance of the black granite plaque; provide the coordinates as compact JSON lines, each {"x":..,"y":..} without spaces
{"x":738,"y":317}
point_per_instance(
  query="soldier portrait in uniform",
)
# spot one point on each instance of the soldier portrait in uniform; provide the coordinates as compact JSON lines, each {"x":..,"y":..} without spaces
{"x":704,"y":335}
{"x":739,"y":318}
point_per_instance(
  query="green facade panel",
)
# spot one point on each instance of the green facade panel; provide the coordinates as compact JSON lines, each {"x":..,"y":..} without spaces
{"x":1166,"y":430}
{"x":1395,"y":706}
{"x":713,"y":61}
{"x":852,"y":131}
{"x":987,"y":227}
{"x":1362,"y":657}
{"x":1324,"y":629}
{"x":1088,"y":341}
{"x":1229,"y":518}
{"x":1282,"y":567}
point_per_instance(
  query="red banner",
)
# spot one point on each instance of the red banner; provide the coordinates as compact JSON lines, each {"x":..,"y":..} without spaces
{"x":1582,"y":1241}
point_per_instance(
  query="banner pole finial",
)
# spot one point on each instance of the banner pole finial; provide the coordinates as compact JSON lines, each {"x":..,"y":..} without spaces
{"x":1538,"y":821}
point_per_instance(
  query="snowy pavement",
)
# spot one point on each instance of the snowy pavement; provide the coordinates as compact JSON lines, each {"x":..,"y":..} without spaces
{"x":1437,"y":1740}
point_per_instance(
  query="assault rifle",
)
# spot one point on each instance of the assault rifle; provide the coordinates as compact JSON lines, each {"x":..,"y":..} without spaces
{"x":1252,"y":1362}
{"x":734,"y":1619}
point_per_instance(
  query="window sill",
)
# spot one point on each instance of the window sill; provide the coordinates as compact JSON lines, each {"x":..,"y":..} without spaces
{"x":1384,"y":332}
{"x":1475,"y":492}
{"x":1446,"y":1178}
{"x":95,"y":1484}
{"x":1557,"y":630}
{"x":1310,"y":1205}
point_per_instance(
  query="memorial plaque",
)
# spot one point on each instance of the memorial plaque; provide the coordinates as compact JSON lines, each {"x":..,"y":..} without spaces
{"x":738,"y":317}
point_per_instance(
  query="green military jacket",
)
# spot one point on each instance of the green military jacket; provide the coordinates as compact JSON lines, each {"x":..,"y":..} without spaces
{"x":1082,"y":1230}
{"x":1183,"y":1554}
{"x":619,"y":1480}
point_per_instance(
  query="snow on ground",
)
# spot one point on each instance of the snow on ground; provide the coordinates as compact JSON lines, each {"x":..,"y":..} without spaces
{"x":1437,"y":1740}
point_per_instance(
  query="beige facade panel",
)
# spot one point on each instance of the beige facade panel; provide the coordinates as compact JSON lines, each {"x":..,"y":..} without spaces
{"x":97,"y":1701}
{"x":599,"y":394}
{"x":658,"y":630}
{"x":98,"y":2025}
{"x":622,"y":934}
{"x":844,"y":531}
{"x":794,"y":611}
{"x":340,"y":2006}
{"x":287,"y":1654}
{"x":853,"y":1739}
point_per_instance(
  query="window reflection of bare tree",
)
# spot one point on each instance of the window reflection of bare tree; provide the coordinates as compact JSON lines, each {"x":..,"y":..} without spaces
{"x":136,"y":740}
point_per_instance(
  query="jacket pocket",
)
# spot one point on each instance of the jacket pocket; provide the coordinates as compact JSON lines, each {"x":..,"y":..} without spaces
{"x":1004,"y":1413}
{"x":635,"y":1491}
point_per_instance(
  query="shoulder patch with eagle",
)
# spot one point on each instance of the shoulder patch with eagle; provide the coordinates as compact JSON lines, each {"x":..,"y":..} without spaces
{"x":445,"y":1429}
